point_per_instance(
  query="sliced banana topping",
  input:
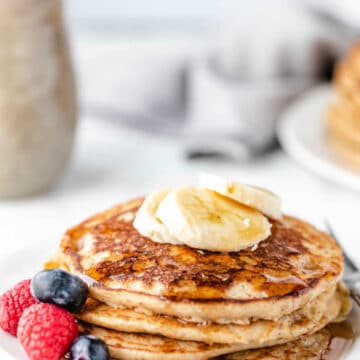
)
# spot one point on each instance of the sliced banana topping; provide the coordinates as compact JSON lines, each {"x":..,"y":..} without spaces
{"x":201,"y":218}
{"x":148,"y":224}
{"x":255,"y":197}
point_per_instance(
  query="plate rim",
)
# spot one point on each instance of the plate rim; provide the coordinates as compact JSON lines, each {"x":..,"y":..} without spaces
{"x":327,"y":169}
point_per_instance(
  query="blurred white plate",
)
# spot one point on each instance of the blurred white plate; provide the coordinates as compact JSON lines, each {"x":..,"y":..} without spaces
{"x":24,"y":264}
{"x":301,"y":133}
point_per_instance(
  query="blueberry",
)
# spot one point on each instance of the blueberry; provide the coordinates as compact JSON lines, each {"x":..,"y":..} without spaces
{"x":88,"y":347}
{"x":60,"y":288}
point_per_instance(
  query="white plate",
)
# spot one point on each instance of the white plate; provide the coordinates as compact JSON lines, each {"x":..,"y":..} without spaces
{"x":26,"y":263}
{"x":301,"y":133}
{"x":19,"y":266}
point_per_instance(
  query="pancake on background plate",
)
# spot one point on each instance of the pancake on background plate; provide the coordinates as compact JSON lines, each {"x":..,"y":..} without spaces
{"x":343,"y":114}
{"x":152,"y":299}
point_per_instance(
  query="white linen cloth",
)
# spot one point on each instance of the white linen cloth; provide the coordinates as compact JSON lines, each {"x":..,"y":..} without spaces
{"x":220,"y":93}
{"x":260,"y":61}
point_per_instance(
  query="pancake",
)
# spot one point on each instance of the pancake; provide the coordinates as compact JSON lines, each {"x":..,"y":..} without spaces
{"x":347,"y":76}
{"x":343,"y":132}
{"x":293,"y":266}
{"x":134,"y":346}
{"x":331,"y":304}
{"x":343,"y":121}
{"x":308,"y":347}
{"x":343,"y":115}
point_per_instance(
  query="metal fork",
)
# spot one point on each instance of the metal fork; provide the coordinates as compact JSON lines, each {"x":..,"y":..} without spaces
{"x":351,"y":271}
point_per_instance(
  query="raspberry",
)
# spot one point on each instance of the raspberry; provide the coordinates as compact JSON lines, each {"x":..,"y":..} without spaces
{"x":12,"y":305}
{"x":46,"y":331}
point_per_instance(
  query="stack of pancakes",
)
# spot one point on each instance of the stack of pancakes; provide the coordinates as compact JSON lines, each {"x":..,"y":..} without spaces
{"x":162,"y":301}
{"x":343,"y":115}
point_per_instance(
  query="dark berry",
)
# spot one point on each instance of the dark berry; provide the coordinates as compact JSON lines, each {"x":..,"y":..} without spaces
{"x":88,"y":347}
{"x":60,"y":288}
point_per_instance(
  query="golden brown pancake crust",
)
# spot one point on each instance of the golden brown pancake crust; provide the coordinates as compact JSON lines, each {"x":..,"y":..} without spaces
{"x":292,"y":260}
{"x":333,"y":304}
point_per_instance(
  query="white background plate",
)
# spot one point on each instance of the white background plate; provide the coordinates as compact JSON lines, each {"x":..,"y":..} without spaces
{"x":301,"y":133}
{"x":24,"y":264}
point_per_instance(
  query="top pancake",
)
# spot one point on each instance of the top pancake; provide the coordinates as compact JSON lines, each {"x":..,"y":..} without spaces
{"x":294,"y":265}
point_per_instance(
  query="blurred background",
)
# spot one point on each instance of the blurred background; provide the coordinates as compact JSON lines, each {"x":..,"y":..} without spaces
{"x":103,"y":101}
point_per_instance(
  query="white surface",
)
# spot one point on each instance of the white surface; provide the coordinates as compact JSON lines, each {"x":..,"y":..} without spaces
{"x":29,"y":264}
{"x":302,"y":134}
{"x":346,"y":10}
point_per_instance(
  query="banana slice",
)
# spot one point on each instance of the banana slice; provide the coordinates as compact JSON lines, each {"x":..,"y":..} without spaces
{"x":148,"y":224}
{"x":204,"y":219}
{"x":255,"y":197}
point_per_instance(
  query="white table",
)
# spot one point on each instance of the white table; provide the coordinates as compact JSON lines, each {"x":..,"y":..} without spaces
{"x":112,"y":164}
